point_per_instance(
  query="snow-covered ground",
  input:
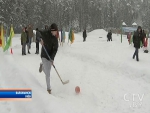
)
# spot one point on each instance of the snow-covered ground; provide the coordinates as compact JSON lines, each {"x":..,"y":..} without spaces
{"x":110,"y":80}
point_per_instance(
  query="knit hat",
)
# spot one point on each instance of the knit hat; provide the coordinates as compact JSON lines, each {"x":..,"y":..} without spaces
{"x":139,"y":27}
{"x":53,"y":27}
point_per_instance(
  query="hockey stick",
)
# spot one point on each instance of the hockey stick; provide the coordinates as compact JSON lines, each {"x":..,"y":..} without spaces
{"x":56,"y":69}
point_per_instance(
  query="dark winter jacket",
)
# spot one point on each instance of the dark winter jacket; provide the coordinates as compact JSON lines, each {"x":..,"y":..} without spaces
{"x":30,"y":32}
{"x":38,"y":36}
{"x":84,"y":34}
{"x":23,"y":38}
{"x":109,"y":35}
{"x":50,"y":43}
{"x":137,"y":38}
{"x":27,"y":37}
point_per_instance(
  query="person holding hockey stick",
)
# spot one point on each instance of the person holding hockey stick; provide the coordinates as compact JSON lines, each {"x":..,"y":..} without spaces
{"x":49,"y":42}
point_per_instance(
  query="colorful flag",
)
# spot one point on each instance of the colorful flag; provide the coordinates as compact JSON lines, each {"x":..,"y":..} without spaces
{"x":6,"y":35}
{"x":2,"y":40}
{"x":2,"y":37}
{"x":9,"y":42}
{"x":12,"y":31}
{"x":71,"y":36}
{"x":121,"y":32}
{"x":11,"y":34}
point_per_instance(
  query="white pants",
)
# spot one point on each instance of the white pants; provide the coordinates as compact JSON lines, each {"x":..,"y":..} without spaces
{"x":46,"y":69}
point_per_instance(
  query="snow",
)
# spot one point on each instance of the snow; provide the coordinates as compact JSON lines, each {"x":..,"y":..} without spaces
{"x":134,"y":24}
{"x":34,"y":31}
{"x":124,"y":23}
{"x":105,"y":72}
{"x":98,"y":32}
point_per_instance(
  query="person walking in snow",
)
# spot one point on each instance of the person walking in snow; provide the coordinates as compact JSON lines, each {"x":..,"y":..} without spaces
{"x":84,"y":35}
{"x":145,"y":41}
{"x":137,"y":38}
{"x":50,"y":42}
{"x":109,"y":36}
{"x":27,"y":43}
{"x":30,"y":34}
{"x":38,"y":35}
{"x":23,"y":41}
{"x":129,"y":37}
{"x":143,"y":38}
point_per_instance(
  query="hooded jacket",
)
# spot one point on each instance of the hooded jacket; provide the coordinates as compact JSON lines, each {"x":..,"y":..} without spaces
{"x":137,"y":38}
{"x":50,"y":44}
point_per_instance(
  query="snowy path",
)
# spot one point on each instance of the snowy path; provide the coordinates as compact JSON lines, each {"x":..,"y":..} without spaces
{"x":104,"y":71}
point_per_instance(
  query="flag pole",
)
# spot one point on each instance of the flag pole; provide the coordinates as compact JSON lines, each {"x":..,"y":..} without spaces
{"x":121,"y":32}
{"x":11,"y":42}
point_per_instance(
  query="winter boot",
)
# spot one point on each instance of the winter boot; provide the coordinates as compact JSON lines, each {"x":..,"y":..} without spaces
{"x":41,"y":67}
{"x":37,"y":52}
{"x":49,"y":91}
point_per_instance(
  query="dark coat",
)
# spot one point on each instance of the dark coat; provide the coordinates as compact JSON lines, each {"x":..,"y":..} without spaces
{"x":84,"y":34}
{"x":38,"y":35}
{"x":109,"y":35}
{"x":23,"y":38}
{"x":27,"y":37}
{"x":137,"y":38}
{"x":30,"y":32}
{"x":50,"y":43}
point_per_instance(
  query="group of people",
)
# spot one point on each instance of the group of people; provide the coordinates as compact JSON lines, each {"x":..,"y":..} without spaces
{"x":144,"y":44}
{"x":48,"y":38}
{"x":139,"y":37}
{"x":26,"y":39}
{"x":49,"y":41}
